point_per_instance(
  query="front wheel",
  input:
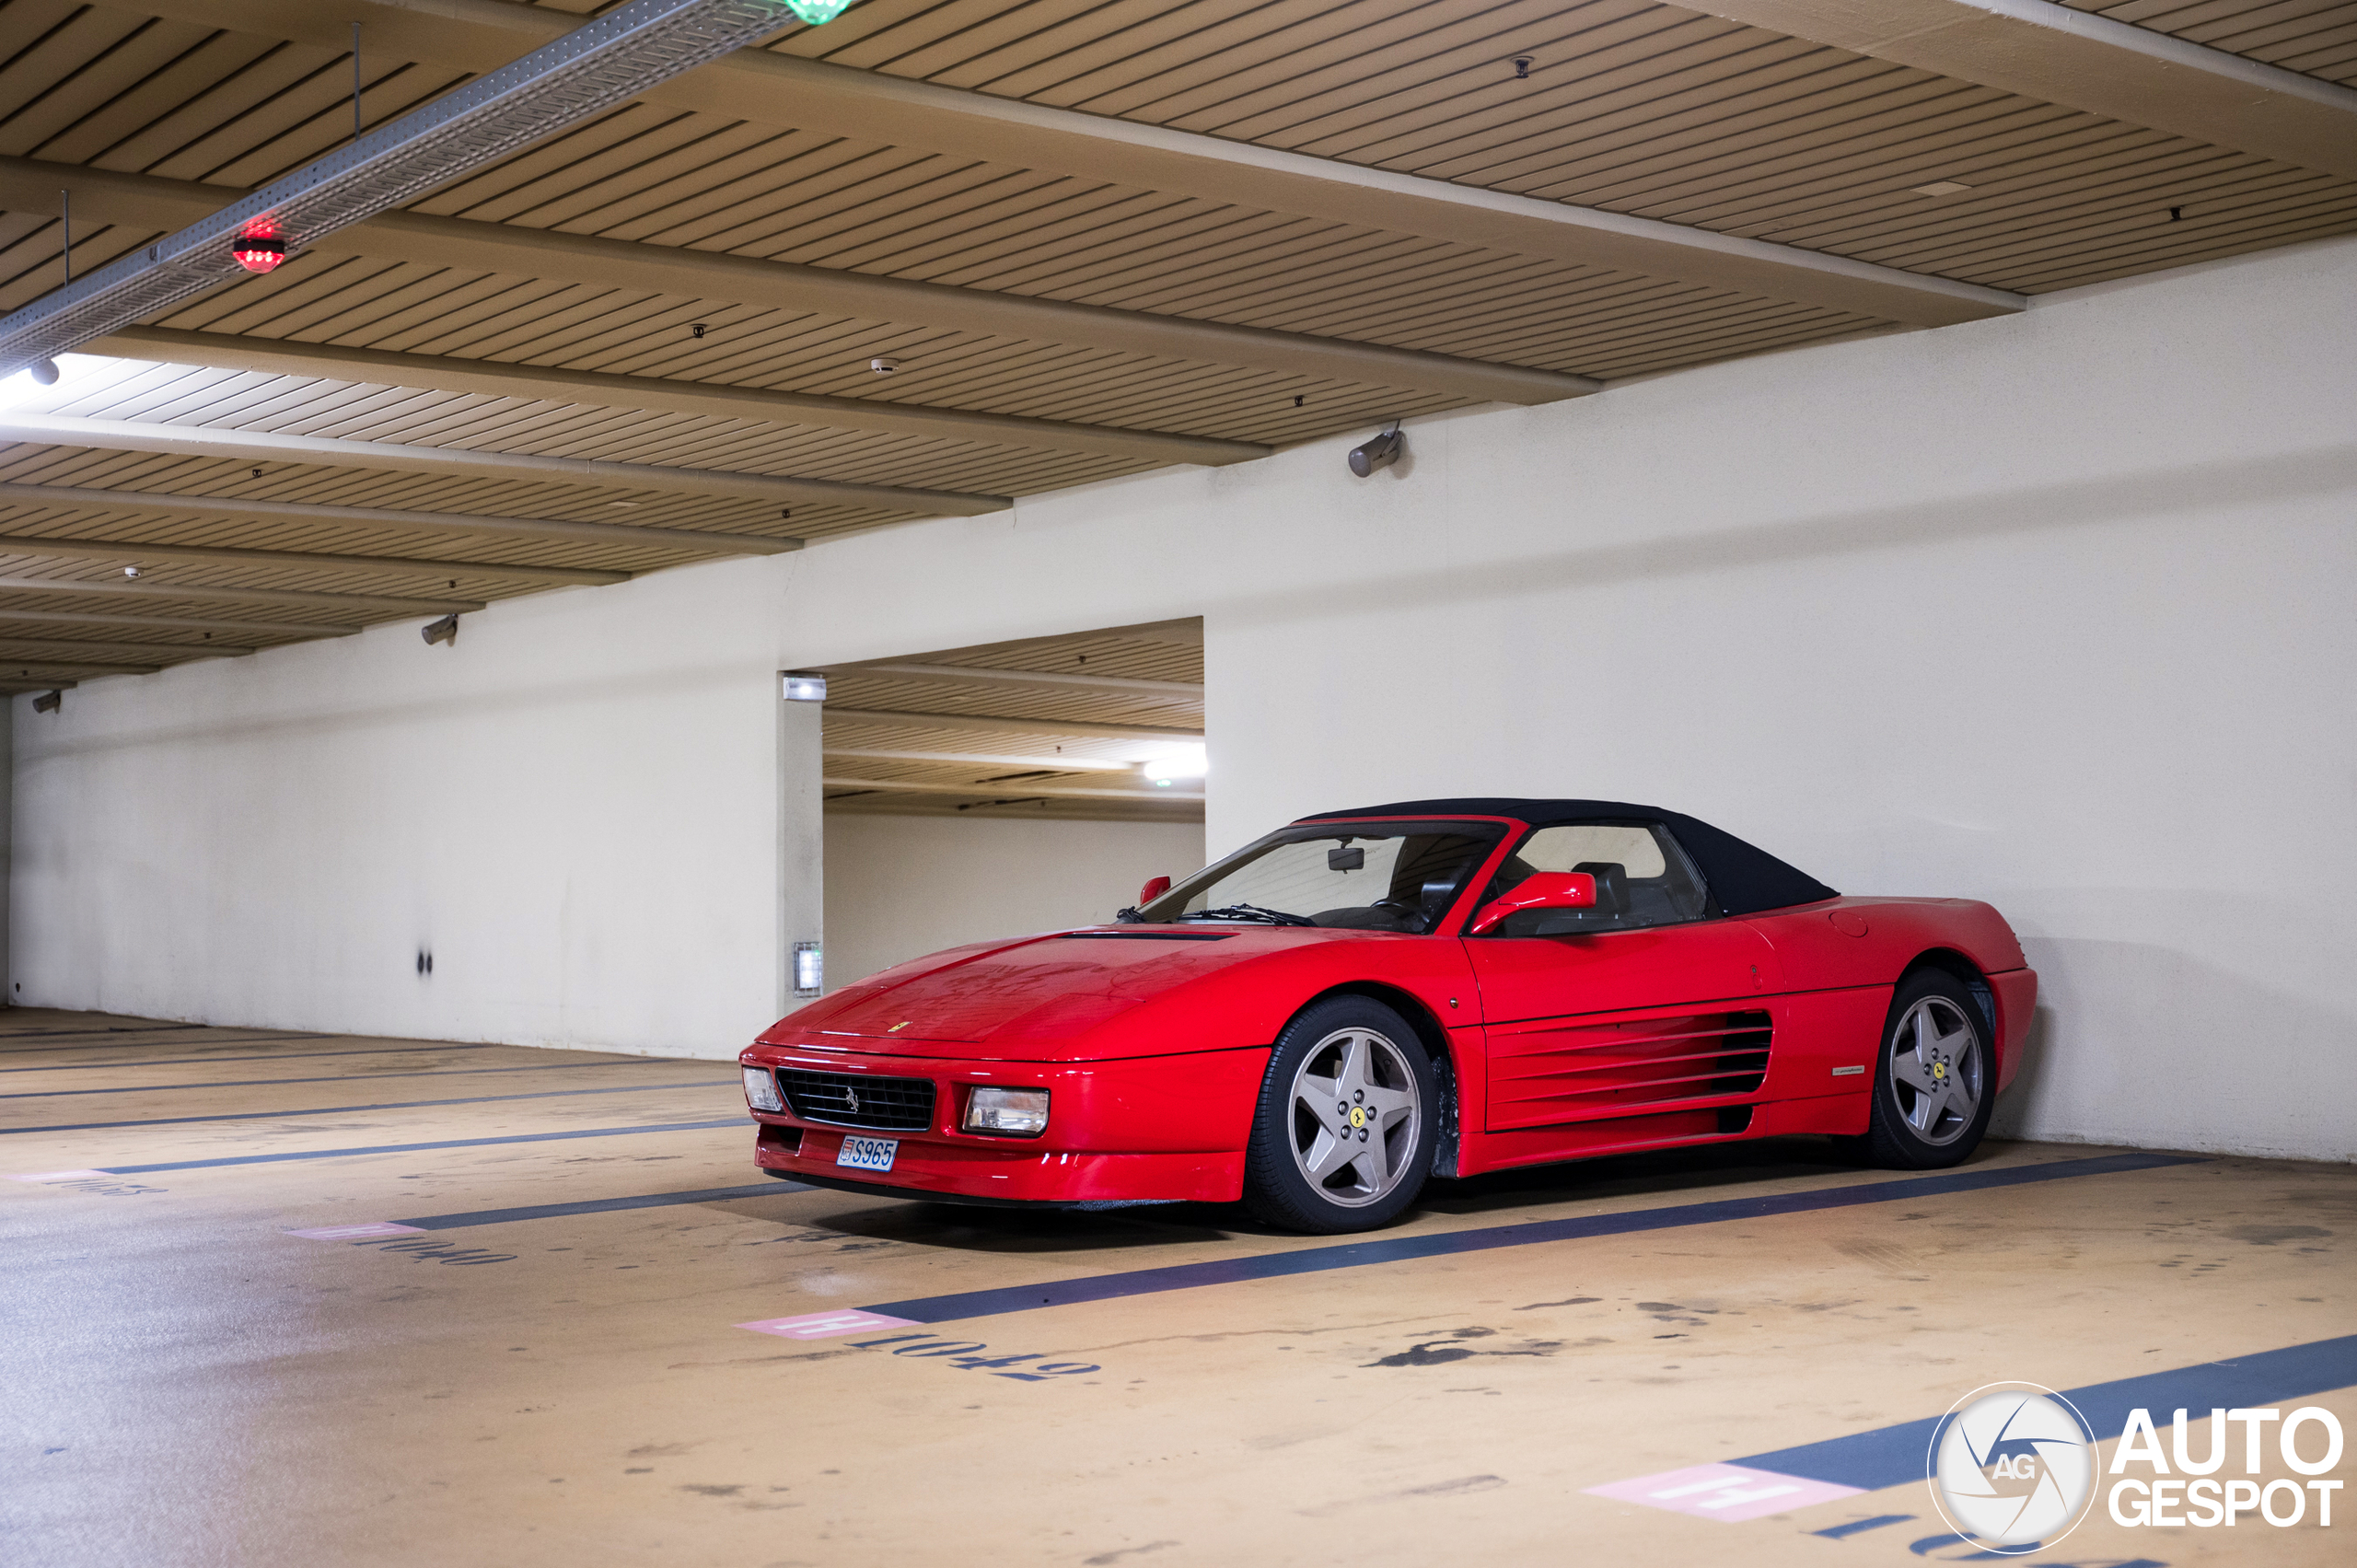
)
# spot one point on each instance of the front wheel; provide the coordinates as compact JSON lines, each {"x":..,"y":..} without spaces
{"x":1342,"y":1138}
{"x":1935,"y":1081}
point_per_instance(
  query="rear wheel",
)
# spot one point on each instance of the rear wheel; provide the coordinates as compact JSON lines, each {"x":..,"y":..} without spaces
{"x":1342,"y":1138}
{"x":1935,"y":1077}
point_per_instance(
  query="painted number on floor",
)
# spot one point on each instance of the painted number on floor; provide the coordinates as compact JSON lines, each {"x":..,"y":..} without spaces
{"x":969,"y":1355}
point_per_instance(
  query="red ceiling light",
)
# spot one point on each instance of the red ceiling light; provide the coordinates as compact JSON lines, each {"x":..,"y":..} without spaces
{"x":259,"y":252}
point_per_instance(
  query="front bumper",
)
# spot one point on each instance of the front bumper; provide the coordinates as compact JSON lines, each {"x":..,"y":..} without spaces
{"x":1154,"y":1128}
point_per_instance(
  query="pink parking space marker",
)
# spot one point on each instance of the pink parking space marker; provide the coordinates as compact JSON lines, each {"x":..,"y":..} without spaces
{"x":46,"y":1177}
{"x":356,"y":1232}
{"x":828,"y":1324}
{"x":1723,"y":1491}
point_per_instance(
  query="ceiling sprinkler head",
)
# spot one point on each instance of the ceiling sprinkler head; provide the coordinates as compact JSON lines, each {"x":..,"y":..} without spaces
{"x":1522,"y":68}
{"x":883,"y":366}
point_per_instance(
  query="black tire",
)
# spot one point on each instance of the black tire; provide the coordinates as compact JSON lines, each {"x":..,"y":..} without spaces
{"x":1279,"y":1185}
{"x":1934,"y":1058}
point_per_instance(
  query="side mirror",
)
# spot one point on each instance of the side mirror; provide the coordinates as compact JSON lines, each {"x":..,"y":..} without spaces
{"x":1542,"y":891}
{"x":1152,"y":890}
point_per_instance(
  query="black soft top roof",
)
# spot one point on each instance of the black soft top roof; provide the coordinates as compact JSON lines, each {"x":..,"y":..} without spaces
{"x":1743,"y":880}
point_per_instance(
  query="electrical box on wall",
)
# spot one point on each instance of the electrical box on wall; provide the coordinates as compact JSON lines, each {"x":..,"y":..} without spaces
{"x":810,"y":970}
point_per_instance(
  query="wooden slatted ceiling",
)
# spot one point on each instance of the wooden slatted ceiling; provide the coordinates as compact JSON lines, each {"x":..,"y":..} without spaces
{"x":2317,"y":37}
{"x":1149,"y":657}
{"x":1633,"y":107}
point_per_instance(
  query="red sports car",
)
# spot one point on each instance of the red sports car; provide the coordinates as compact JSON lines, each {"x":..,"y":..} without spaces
{"x":1325,"y":1018}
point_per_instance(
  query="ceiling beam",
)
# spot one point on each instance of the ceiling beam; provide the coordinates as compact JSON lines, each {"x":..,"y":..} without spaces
{"x":2050,"y":51}
{"x":991,"y":724}
{"x":206,"y":441}
{"x":622,"y":534}
{"x":985,"y":759}
{"x":780,"y":90}
{"x":172,"y":623}
{"x":41,"y":668}
{"x":1186,"y":691}
{"x":472,"y":246}
{"x":1010,"y":787}
{"x":135,"y":551}
{"x":39,"y":648}
{"x":150,"y":588}
{"x":494,"y":378}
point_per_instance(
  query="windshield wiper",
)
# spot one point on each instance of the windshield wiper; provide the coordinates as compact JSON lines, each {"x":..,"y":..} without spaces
{"x":1250,"y":912}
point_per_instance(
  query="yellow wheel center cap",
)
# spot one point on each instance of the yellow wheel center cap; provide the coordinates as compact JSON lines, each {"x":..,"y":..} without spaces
{"x":1939,"y":1069}
{"x":1358,"y":1116}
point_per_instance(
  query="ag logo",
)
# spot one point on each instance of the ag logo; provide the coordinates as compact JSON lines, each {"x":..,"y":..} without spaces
{"x":2012,"y":1468}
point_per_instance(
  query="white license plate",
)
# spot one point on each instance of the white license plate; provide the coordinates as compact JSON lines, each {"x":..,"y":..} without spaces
{"x":869,"y":1153}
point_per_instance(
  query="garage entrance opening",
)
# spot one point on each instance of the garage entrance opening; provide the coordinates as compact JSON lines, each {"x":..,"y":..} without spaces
{"x":995,"y":791}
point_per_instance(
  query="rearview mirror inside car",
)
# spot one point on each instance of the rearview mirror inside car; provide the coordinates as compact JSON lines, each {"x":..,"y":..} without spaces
{"x":1543,"y":890}
{"x":1152,"y":890}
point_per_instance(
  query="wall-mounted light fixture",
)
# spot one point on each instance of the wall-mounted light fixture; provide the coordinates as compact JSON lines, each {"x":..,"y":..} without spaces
{"x":803,"y":686}
{"x":443,"y":630}
{"x":48,"y":701}
{"x":810,"y":970}
{"x":1380,"y":453}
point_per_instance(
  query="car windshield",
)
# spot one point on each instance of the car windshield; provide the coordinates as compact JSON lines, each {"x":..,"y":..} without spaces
{"x":1366,"y":876}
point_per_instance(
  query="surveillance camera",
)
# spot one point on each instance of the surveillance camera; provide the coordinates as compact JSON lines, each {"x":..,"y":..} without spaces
{"x":1379,"y":453}
{"x":48,"y":701}
{"x":45,"y":372}
{"x":443,"y":630}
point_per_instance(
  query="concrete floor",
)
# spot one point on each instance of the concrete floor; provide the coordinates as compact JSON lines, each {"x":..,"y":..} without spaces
{"x":185,"y":1382}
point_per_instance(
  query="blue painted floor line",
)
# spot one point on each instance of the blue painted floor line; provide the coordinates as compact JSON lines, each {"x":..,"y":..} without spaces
{"x":601,"y":1206}
{"x":354,"y":1109}
{"x":1895,"y":1455}
{"x":347,"y":1078}
{"x":1400,"y":1249}
{"x":739,"y":1122}
{"x":258,"y":1056}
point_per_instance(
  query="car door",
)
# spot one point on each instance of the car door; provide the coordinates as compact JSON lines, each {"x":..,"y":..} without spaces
{"x":1646,"y":1004}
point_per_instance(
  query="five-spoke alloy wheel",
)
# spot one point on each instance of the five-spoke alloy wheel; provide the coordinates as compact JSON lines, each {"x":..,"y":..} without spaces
{"x":1342,"y":1138}
{"x":1934,"y":1086}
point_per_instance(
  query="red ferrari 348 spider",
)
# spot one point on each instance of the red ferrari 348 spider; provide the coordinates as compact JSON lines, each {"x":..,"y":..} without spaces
{"x":1325,"y":1018}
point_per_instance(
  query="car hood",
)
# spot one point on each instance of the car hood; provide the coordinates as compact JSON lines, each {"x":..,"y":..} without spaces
{"x":1038,"y":991}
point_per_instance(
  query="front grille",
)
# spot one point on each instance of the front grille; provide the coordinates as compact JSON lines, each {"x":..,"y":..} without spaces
{"x":853,"y":1099}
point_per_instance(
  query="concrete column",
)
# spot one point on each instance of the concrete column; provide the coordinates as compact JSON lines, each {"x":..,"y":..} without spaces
{"x":801,"y":843}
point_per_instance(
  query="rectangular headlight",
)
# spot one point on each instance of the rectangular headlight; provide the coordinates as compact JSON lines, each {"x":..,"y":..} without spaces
{"x":760,"y":1089}
{"x":1022,"y":1113}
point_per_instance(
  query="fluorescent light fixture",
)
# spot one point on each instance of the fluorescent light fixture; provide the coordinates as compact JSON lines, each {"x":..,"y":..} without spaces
{"x":1939,"y":188}
{"x":810,"y":970}
{"x":817,"y":13}
{"x":802,"y":686}
{"x":1176,"y":764}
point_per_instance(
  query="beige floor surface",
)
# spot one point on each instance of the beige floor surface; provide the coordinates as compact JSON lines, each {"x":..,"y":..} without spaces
{"x":188,"y":1383}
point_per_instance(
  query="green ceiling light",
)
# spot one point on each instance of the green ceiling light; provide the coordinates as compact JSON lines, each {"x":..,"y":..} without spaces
{"x":818,"y":12}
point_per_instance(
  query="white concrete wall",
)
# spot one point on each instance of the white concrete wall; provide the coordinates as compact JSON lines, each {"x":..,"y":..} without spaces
{"x":898,"y":887}
{"x":2051,"y":610}
{"x":582,"y":816}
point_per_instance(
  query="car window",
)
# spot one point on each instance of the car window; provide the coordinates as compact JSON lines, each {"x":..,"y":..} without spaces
{"x":1642,"y":878}
{"x":1370,"y":877}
